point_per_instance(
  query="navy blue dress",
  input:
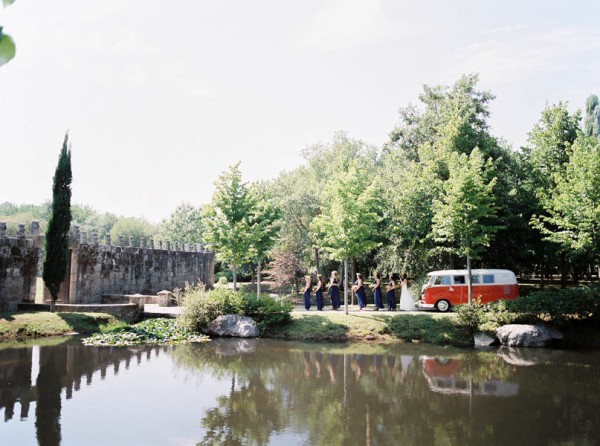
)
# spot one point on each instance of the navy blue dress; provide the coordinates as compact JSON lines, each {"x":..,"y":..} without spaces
{"x":334,"y":294}
{"x":361,"y":296}
{"x":377,"y":297}
{"x":319,"y":295}
{"x":307,"y":299}
{"x":391,"y":297}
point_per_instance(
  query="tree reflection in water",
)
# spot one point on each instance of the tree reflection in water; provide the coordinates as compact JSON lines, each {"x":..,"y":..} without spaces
{"x":345,"y":394}
{"x":324,"y":394}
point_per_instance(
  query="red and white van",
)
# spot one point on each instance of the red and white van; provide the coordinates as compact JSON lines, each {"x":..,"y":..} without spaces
{"x":443,"y":289}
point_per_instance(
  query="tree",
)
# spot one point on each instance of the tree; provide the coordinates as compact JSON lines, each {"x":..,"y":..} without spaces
{"x":463,"y":215}
{"x":299,"y":193}
{"x":347,"y":226}
{"x":572,"y":217}
{"x":284,"y":269}
{"x":184,"y":225}
{"x":591,"y":122}
{"x":57,"y":236}
{"x":135,"y":227}
{"x":228,"y":226}
{"x":264,"y":224}
{"x":414,"y":167}
{"x":7,"y":45}
{"x":544,"y":160}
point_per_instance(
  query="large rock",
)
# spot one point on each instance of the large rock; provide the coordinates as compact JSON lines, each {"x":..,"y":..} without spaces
{"x":233,"y":325}
{"x":521,"y":335}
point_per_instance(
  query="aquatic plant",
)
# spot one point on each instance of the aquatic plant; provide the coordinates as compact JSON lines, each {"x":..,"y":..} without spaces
{"x":151,"y":331}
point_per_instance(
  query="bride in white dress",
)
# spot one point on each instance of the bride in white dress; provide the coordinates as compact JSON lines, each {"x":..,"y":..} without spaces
{"x":407,"y":302}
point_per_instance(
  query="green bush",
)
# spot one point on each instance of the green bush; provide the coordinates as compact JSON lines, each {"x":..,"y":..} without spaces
{"x":557,"y":304}
{"x":266,"y":311}
{"x":200,"y":307}
{"x":471,"y":316}
{"x":497,"y":315}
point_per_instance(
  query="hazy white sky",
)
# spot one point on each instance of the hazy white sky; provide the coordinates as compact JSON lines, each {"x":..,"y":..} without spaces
{"x":160,"y":97}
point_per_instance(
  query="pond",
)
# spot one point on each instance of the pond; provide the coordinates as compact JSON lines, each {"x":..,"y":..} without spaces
{"x":244,"y":392}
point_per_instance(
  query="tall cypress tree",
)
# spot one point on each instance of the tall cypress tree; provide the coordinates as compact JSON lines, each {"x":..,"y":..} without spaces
{"x":57,"y":236}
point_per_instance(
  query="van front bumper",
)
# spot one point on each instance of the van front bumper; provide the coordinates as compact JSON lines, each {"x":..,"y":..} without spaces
{"x":426,"y":306}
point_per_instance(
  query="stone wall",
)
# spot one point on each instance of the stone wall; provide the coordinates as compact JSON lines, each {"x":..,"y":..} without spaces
{"x":105,"y":269}
{"x":20,"y":258}
{"x":98,"y":269}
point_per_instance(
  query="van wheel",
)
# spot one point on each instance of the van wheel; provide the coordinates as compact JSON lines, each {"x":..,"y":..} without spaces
{"x":442,"y":305}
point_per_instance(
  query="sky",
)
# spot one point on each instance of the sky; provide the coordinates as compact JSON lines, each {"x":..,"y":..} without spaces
{"x":161,"y":97}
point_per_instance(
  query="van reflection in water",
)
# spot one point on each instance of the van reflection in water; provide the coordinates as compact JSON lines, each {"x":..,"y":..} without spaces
{"x":452,"y":377}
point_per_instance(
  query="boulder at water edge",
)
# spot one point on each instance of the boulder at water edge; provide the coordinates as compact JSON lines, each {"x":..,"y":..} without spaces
{"x":233,"y":325}
{"x":521,"y":335}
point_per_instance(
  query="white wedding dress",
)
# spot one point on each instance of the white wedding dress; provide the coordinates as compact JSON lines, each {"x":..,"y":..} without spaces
{"x":407,"y":302}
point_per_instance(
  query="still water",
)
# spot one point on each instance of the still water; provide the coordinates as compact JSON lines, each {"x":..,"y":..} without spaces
{"x":243,"y":392}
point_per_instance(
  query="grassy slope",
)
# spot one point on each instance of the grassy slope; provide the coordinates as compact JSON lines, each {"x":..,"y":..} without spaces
{"x":23,"y":325}
{"x":432,"y":328}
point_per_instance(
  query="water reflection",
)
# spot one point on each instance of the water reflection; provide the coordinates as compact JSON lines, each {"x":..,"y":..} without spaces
{"x":454,"y":376}
{"x":39,"y":373}
{"x":270,"y":392}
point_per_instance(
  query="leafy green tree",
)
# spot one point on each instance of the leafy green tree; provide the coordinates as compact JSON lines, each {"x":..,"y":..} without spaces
{"x":13,"y":215}
{"x":347,"y":226}
{"x":7,"y":45}
{"x":135,"y":227}
{"x":591,"y":122}
{"x":453,"y":118}
{"x":264,"y":224}
{"x":228,"y":224}
{"x":544,"y":159}
{"x":57,"y":236}
{"x":184,"y":225}
{"x":572,"y":217}
{"x":415,"y":165}
{"x":549,"y":144}
{"x":299,"y":193}
{"x":464,"y":213}
{"x":90,"y":221}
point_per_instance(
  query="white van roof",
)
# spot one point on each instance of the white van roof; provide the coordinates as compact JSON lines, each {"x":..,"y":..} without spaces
{"x":504,"y":276}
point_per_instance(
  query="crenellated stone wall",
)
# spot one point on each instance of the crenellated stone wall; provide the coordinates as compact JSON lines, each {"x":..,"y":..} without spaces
{"x":98,"y":270}
{"x":20,"y":259}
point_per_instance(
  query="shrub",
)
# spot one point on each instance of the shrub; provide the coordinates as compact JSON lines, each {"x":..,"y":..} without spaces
{"x":496,"y":316}
{"x":558,"y":304}
{"x":267,"y":312}
{"x":471,"y":316}
{"x":201,"y":307}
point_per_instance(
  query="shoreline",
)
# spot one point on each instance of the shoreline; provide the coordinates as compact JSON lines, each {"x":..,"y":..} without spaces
{"x":333,"y":326}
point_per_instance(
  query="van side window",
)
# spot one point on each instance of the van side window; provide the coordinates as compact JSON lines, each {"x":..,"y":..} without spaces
{"x":442,"y":280}
{"x":488,"y":278}
{"x":475,"y":279}
{"x":459,"y":280}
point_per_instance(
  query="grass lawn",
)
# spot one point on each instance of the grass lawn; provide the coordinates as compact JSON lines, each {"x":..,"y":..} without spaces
{"x":433,"y":328}
{"x":23,"y":325}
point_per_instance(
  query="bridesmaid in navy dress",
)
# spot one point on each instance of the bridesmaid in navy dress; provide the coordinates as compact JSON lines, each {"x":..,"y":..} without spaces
{"x":334,"y":290}
{"x":377,"y":297}
{"x":391,"y":294}
{"x":319,"y":292}
{"x":358,"y":287}
{"x":307,"y":292}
